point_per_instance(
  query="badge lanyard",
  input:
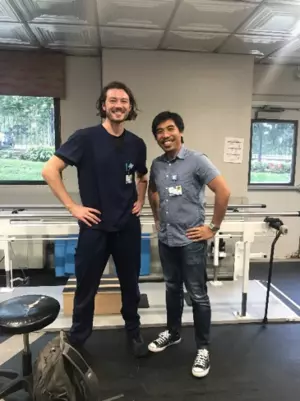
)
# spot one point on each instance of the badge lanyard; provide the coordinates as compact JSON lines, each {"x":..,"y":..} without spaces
{"x":128,"y":178}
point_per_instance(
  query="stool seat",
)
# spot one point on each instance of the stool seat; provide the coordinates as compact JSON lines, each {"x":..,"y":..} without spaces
{"x":27,"y":313}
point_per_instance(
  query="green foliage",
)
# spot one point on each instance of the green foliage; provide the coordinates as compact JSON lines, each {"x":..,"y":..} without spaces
{"x":30,"y":125}
{"x":29,"y":119}
{"x":275,"y":138}
{"x":271,"y":167}
{"x":20,"y":170}
{"x":8,"y":154}
{"x":37,"y":154}
{"x":41,"y":154}
{"x":26,"y":107}
{"x":269,"y":178}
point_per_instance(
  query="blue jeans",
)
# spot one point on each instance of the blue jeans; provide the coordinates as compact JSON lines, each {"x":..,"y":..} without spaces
{"x":187,"y":264}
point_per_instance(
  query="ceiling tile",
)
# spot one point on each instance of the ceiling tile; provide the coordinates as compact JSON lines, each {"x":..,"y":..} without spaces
{"x":207,"y":15}
{"x":291,"y":49}
{"x":65,"y":36}
{"x":14,"y":34}
{"x":79,"y":51}
{"x":59,"y":11}
{"x":274,"y":19}
{"x":256,"y":45}
{"x":153,"y":14}
{"x":193,"y":41}
{"x":130,"y":38}
{"x":7,"y":13}
{"x":284,"y":2}
{"x":281,"y":60}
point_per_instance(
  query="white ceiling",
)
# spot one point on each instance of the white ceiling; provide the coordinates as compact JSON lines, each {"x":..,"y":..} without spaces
{"x":268,"y":29}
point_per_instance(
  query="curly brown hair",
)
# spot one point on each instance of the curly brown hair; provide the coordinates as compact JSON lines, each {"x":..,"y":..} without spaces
{"x":117,"y":85}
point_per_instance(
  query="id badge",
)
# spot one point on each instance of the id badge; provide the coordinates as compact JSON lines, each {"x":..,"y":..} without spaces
{"x":175,"y":191}
{"x":128,"y":179}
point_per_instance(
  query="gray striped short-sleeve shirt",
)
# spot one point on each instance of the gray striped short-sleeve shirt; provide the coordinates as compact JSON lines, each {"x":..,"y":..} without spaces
{"x":181,"y":187}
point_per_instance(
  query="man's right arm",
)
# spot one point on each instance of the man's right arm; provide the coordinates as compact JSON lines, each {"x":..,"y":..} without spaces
{"x":52,"y":174}
{"x":153,"y":198}
{"x":69,"y":153}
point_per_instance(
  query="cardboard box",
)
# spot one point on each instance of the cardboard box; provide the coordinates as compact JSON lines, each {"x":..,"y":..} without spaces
{"x":107,"y":300}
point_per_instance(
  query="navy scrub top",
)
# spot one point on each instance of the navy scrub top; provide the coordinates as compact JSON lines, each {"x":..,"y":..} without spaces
{"x":106,"y":168}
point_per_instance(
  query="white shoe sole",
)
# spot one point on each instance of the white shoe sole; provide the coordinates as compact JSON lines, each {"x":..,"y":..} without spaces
{"x":200,"y":374}
{"x":156,"y":350}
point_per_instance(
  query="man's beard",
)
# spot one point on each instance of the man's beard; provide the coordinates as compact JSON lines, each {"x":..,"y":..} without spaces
{"x":112,"y":116}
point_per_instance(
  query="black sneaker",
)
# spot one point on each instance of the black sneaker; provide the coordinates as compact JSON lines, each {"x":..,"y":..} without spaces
{"x":138,"y":345}
{"x":163,"y":341}
{"x":201,"y":364}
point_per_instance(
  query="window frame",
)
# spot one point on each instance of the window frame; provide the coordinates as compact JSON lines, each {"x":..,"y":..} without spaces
{"x":57,"y":127}
{"x":294,"y":157}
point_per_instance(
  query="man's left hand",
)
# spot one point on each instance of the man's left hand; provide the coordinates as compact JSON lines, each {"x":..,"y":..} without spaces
{"x":137,"y":207}
{"x":201,"y":233}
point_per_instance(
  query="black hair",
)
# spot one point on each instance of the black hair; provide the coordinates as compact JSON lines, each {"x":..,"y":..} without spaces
{"x":117,"y":85}
{"x":168,"y":115}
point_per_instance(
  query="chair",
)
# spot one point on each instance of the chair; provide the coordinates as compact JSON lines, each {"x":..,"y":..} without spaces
{"x":24,"y":315}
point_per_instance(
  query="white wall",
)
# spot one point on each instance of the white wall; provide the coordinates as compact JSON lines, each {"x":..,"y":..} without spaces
{"x":204,"y":89}
{"x":79,"y":108}
{"x":276,"y":83}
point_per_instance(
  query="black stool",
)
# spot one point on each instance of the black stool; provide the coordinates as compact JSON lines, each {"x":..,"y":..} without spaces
{"x":23,"y":315}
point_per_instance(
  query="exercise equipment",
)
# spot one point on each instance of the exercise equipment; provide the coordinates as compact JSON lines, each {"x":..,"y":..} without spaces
{"x":281,"y":229}
{"x":58,"y":224}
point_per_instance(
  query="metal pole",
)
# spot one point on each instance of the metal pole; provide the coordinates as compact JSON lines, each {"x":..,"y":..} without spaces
{"x":26,"y":343}
{"x":7,"y":267}
{"x":265,"y":319}
{"x":246,"y":262}
{"x":216,"y":257}
{"x":20,"y":208}
{"x":66,"y":215}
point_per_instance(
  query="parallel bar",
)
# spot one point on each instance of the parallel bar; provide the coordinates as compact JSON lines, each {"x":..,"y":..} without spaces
{"x":63,"y":215}
{"x":30,"y":207}
{"x":246,"y":262}
{"x":244,"y":304}
{"x":233,"y":206}
{"x":59,"y":206}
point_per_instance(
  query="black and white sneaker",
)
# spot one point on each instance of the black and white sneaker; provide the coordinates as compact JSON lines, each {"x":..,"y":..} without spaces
{"x":201,"y":364}
{"x":163,"y":341}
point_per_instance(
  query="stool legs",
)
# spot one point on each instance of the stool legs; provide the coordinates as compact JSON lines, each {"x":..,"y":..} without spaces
{"x":19,"y":382}
{"x":26,"y":357}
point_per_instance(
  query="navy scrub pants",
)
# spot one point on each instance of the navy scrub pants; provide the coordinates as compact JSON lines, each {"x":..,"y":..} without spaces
{"x":93,"y":250}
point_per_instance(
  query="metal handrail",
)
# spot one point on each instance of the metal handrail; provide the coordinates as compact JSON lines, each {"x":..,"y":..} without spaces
{"x":67,"y":215}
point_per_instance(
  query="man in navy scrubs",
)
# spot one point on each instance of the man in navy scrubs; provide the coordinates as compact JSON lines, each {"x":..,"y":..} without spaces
{"x":112,"y":178}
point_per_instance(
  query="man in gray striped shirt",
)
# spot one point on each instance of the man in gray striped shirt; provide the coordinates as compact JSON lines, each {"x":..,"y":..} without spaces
{"x":176,"y":194}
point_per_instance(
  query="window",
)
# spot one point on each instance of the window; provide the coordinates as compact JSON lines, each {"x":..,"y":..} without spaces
{"x":273,"y":152}
{"x":29,"y":135}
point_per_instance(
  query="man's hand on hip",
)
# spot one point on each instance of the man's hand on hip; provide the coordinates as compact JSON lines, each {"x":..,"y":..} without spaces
{"x":200,"y":233}
{"x":157,"y":226}
{"x":137,"y":207}
{"x":86,"y":214}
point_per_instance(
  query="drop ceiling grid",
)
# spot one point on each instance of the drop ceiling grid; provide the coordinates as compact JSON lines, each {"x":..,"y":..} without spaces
{"x":267,"y":29}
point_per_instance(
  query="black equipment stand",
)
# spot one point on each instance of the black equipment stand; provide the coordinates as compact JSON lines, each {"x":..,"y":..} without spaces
{"x":277,"y":224}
